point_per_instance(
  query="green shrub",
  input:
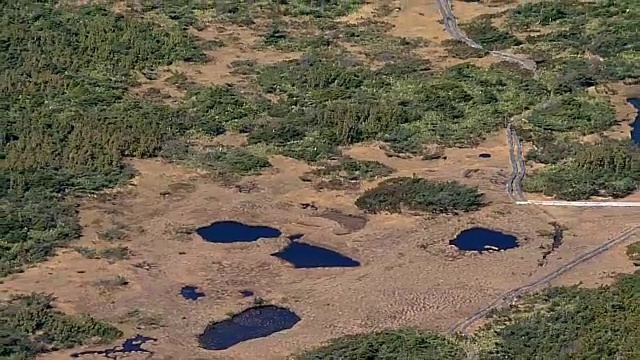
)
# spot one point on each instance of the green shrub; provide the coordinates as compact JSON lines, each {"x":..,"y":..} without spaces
{"x":491,"y":38}
{"x":611,"y":168}
{"x":352,"y":169}
{"x":335,"y":100}
{"x":633,"y":252}
{"x":346,"y":173}
{"x":461,"y":50}
{"x":31,"y":326}
{"x":222,"y":161}
{"x":417,"y":194}
{"x":578,"y":113}
{"x":569,"y":323}
{"x":545,"y":13}
{"x":69,"y":117}
{"x":388,"y":345}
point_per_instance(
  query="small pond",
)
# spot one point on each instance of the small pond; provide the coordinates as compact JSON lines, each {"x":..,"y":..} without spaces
{"x":305,"y":256}
{"x":635,"y":127}
{"x":191,"y":292}
{"x":246,"y":293}
{"x":481,"y":239}
{"x":252,"y":323}
{"x":233,"y":231}
{"x":131,"y":345}
{"x":484,"y":155}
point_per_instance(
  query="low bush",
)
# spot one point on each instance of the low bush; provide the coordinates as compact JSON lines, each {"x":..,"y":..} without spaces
{"x":351,"y":169}
{"x":461,"y":50}
{"x":417,"y":194}
{"x":611,"y":168}
{"x":403,"y":344}
{"x":578,"y":113}
{"x":633,"y":252}
{"x":490,"y":37}
{"x":221,"y":161}
{"x":29,"y":325}
{"x":569,"y":323}
{"x":346,"y":173}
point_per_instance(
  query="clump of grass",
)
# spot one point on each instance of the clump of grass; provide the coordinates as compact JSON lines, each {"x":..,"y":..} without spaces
{"x":243,"y":67}
{"x":86,"y":252}
{"x":112,"y":253}
{"x":112,"y":283}
{"x":142,"y":319}
{"x":180,"y":80}
{"x":181,"y":187}
{"x":116,"y":232}
{"x":115,"y":253}
{"x":183,"y":232}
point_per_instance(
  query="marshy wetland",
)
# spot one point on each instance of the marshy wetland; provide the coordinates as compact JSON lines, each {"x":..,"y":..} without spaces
{"x":210,"y":180}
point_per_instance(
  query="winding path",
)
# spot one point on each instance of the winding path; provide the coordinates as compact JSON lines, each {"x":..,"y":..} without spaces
{"x":514,"y":190}
{"x":510,"y":296}
{"x":451,"y":26}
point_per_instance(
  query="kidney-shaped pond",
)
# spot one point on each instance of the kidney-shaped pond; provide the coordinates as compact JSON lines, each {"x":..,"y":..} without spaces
{"x":304,"y":256}
{"x":233,"y":231}
{"x":252,"y":323}
{"x":481,"y":239}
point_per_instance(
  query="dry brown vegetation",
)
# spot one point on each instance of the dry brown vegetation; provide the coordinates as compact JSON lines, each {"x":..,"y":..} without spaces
{"x":409,"y":275}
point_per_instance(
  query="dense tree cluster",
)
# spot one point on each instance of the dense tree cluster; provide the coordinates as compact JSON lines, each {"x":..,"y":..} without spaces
{"x":29,"y":326}
{"x":67,"y":116}
{"x":604,"y":30}
{"x":418,"y":194}
{"x":335,"y":100}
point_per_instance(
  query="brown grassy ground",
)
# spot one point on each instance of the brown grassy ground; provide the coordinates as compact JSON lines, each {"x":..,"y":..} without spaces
{"x":409,"y":276}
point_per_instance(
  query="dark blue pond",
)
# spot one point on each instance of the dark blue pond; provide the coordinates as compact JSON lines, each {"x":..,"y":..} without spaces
{"x":233,"y":231}
{"x":304,"y":256}
{"x":246,"y":293}
{"x":131,"y":345}
{"x":484,"y":156}
{"x":635,"y":127}
{"x":253,"y":323}
{"x":481,"y":239}
{"x":190,"y":292}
